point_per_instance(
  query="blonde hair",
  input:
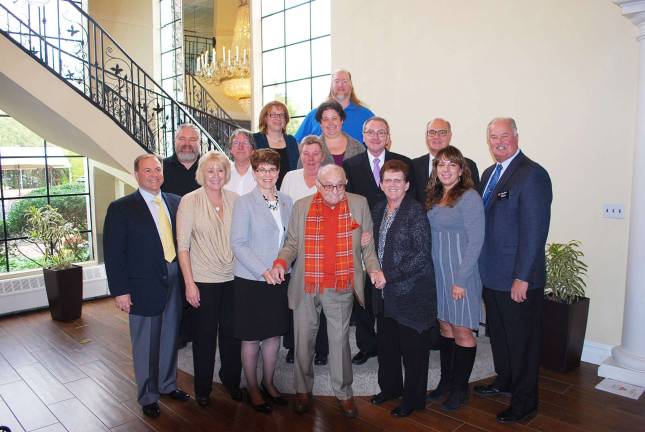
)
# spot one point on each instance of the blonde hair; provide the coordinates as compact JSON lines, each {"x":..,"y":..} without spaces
{"x":216,"y":157}
{"x":352,"y":96}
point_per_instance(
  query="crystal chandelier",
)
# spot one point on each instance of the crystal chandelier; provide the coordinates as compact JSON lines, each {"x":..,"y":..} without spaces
{"x":232,"y":69}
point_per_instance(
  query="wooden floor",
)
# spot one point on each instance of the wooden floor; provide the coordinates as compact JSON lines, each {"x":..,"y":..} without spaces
{"x":78,"y":377}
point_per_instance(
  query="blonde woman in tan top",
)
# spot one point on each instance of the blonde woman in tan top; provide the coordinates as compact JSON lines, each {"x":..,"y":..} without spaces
{"x":206,"y":261}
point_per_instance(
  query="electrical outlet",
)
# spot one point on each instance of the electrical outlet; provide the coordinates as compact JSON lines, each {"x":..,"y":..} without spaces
{"x":613,"y":211}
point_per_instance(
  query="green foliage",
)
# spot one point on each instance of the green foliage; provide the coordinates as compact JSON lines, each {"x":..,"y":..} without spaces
{"x":13,"y":134}
{"x":47,"y":227}
{"x":71,"y":207}
{"x":564,"y":272}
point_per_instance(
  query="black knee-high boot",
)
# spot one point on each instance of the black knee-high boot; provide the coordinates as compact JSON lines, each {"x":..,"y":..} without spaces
{"x":462,"y":367}
{"x":446,"y":358}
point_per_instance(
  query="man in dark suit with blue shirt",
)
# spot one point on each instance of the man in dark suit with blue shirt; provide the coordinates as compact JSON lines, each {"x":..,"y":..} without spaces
{"x":143,"y":277}
{"x":517,"y":199}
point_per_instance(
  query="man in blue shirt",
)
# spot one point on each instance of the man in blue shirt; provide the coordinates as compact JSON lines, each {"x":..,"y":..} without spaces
{"x":356,"y":113}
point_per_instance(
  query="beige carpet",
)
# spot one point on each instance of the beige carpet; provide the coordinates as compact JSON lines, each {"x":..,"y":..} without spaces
{"x":365,"y":376}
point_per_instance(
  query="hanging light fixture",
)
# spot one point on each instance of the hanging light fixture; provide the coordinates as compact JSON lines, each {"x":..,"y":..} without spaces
{"x":232,"y":68}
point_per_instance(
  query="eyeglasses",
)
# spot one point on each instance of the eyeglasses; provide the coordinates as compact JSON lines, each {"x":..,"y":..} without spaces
{"x":277,"y":115}
{"x":396,"y":182}
{"x":263,"y":171}
{"x":330,"y":187}
{"x":379,"y":133}
{"x":190,"y":140}
{"x":440,"y":132}
{"x":240,"y":144}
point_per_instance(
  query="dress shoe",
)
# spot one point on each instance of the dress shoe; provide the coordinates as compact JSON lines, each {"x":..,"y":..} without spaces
{"x":203,"y":400}
{"x":263,"y":408}
{"x":510,"y":416}
{"x":178,"y":395}
{"x":289,"y":358}
{"x":277,"y":400}
{"x":235,"y":393}
{"x":401,"y":411}
{"x":490,"y":390}
{"x":151,"y":410}
{"x":348,"y":408}
{"x":362,"y":357}
{"x":320,"y":359}
{"x":380,"y":398}
{"x":302,"y":403}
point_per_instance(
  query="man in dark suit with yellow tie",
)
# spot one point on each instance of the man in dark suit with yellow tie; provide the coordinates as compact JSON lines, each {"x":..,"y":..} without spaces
{"x":143,"y":277}
{"x":517,"y":199}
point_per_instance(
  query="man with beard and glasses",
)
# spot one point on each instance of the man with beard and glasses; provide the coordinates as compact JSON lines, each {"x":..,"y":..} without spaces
{"x":179,"y":171}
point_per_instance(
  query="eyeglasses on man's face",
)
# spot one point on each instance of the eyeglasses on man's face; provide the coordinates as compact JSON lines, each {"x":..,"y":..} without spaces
{"x":379,"y":133}
{"x":437,"y":132}
{"x":240,"y":144}
{"x":330,"y":187}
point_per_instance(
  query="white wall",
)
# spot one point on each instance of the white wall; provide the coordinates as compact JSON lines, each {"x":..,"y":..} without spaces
{"x":565,"y":69}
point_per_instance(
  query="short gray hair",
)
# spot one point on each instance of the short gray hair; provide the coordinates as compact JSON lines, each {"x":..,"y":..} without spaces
{"x":509,"y":120}
{"x":185,"y":126}
{"x":329,"y":169}
{"x":241,"y":131}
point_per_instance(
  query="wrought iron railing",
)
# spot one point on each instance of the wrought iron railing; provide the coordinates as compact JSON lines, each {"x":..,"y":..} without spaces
{"x":72,"y":45}
{"x":203,"y":106}
{"x":193,"y":46}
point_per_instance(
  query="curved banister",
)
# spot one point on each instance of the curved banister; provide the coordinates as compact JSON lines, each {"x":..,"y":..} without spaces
{"x":81,"y":53}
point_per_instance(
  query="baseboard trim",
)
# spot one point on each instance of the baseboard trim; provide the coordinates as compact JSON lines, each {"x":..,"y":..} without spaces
{"x":595,"y":352}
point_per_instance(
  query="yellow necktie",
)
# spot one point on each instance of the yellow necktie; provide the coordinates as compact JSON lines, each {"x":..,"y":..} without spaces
{"x":166,"y":233}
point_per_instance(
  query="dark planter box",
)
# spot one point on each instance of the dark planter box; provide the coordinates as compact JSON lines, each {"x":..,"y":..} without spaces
{"x":563,"y":334}
{"x":64,"y":292}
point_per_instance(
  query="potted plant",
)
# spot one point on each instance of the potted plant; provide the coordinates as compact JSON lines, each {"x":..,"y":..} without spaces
{"x":60,"y":244}
{"x":566,"y":308}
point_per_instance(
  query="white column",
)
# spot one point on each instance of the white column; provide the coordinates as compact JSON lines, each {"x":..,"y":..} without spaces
{"x":627,"y":361}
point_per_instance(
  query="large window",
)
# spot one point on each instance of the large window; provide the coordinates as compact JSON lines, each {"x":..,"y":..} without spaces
{"x":296,"y":54}
{"x":34,"y":172}
{"x":172,"y":61}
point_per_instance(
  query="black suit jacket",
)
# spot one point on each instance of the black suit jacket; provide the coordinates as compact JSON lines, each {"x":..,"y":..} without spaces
{"x":517,"y":224}
{"x":360,"y":179}
{"x":421,"y":167}
{"x":134,"y":260}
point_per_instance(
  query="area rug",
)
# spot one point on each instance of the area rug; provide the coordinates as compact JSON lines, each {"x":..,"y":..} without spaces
{"x":365,"y":375}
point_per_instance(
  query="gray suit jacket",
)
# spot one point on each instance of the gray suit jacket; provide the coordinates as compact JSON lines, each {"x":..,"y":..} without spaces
{"x":294,"y":247}
{"x":254,"y":234}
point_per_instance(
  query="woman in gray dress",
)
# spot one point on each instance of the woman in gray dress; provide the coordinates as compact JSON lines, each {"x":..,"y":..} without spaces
{"x":456,"y":216}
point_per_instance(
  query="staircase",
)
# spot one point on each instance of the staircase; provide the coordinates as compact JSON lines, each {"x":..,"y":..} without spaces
{"x":67,"y":79}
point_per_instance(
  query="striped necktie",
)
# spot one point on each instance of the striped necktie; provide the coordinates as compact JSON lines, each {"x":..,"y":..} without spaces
{"x":492,"y":183}
{"x":166,"y":232}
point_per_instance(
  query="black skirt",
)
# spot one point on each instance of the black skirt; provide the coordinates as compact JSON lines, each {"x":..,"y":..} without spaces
{"x":261,"y":310}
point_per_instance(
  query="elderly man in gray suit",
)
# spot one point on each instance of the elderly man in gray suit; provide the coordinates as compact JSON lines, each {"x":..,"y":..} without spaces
{"x":324,"y":235}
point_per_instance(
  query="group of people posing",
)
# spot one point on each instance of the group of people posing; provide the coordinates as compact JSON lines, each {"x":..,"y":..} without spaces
{"x":297,"y":235}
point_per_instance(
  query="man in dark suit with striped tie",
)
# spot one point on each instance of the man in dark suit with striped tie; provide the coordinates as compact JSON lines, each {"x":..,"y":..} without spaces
{"x":517,"y":199}
{"x":143,"y":277}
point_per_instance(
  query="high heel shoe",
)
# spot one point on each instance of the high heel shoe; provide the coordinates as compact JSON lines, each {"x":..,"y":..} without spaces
{"x":277,"y":400}
{"x":263,"y":408}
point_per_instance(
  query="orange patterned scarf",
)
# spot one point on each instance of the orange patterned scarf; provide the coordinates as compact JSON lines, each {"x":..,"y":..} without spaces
{"x":314,"y":247}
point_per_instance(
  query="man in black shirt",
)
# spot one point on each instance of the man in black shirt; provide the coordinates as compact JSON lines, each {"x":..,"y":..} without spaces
{"x":180,"y":168}
{"x":179,"y":173}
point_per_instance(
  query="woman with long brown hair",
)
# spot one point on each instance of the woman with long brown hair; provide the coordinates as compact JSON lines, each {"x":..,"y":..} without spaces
{"x":456,"y":215}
